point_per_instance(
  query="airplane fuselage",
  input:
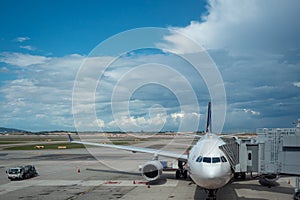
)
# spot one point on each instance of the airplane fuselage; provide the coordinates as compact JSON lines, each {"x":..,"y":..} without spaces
{"x":208,"y":165}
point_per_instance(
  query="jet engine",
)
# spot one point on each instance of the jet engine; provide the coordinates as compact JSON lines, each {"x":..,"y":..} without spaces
{"x":152,"y":170}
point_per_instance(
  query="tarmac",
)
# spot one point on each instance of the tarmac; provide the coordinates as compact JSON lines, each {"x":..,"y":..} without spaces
{"x":113,"y":174}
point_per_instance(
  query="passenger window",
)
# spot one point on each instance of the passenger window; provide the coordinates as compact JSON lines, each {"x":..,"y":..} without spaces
{"x":207,"y":159}
{"x":199,"y":159}
{"x":216,"y":160}
{"x":223,"y":159}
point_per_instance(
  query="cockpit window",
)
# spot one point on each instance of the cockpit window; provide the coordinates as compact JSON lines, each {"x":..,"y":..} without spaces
{"x":223,"y":159}
{"x":211,"y":159}
{"x":207,"y":159}
{"x":216,"y":159}
{"x":199,"y":159}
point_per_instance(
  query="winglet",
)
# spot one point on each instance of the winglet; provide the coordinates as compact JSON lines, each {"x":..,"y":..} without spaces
{"x":208,"y":120}
{"x":70,"y":137}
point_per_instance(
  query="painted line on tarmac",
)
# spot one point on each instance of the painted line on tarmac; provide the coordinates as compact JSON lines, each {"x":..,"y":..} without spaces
{"x":16,"y":185}
{"x":12,"y":186}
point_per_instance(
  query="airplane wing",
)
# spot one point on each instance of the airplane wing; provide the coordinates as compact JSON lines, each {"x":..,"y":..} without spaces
{"x":182,"y":157}
{"x":190,"y":135}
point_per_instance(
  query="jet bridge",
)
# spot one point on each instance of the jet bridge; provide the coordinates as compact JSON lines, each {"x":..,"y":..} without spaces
{"x":231,"y":150}
{"x":279,"y":150}
{"x":236,"y":151}
{"x":273,"y":151}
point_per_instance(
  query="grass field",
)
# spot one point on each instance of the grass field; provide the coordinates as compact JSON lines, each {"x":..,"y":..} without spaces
{"x":56,"y":145}
{"x":9,"y":142}
{"x":46,"y":146}
{"x":33,"y":139}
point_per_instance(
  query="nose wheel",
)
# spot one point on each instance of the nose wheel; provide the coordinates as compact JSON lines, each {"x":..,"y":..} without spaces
{"x":181,"y":172}
{"x":212,"y":195}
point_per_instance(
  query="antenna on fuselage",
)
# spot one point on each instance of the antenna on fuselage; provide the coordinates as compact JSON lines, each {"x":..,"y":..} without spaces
{"x":208,"y":119}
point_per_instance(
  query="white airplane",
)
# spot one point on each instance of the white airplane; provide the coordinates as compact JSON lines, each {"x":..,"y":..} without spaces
{"x":207,"y":165}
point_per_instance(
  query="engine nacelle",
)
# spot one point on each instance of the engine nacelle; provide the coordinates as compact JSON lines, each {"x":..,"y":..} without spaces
{"x":152,"y":170}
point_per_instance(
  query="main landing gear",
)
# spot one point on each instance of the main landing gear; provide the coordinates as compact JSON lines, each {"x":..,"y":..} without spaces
{"x":240,"y":175}
{"x":181,"y":172}
{"x":297,"y":196}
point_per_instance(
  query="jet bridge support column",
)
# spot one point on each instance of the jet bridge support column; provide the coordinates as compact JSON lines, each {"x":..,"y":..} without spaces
{"x":297,"y":192}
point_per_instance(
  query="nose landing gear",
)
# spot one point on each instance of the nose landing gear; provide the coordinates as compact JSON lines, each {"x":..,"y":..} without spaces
{"x":181,"y":172}
{"x":212,"y":194}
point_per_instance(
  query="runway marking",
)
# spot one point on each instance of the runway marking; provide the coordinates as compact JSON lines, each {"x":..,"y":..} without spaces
{"x":16,"y":185}
{"x":112,"y":182}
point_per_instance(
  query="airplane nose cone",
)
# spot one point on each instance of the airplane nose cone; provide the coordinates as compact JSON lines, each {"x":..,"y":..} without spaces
{"x":212,"y":178}
{"x":211,"y":174}
{"x":210,"y":182}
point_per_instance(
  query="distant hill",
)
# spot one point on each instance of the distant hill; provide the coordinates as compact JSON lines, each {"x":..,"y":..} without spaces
{"x":11,"y":130}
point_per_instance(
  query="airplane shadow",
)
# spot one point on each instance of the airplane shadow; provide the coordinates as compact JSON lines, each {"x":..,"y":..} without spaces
{"x":276,"y":189}
{"x":225,"y":193}
{"x":161,"y":181}
{"x":113,"y":171}
{"x":228,"y":192}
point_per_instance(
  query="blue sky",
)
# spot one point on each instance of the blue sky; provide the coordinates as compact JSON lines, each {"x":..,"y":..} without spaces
{"x":66,"y":27}
{"x":254,"y":44}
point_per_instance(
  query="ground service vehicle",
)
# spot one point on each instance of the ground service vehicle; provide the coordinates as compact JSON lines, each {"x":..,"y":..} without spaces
{"x":21,"y":172}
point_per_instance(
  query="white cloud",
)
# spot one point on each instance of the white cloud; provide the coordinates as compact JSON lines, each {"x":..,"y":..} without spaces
{"x":186,"y":121}
{"x":297,"y":84}
{"x":101,"y":123}
{"x":28,"y":47}
{"x":243,"y":25}
{"x":175,"y":116}
{"x":4,"y":69}
{"x":22,"y":60}
{"x":251,"y":111}
{"x":41,"y":97}
{"x":155,"y":123}
{"x":22,"y":39}
{"x":131,"y":123}
{"x":255,"y":45}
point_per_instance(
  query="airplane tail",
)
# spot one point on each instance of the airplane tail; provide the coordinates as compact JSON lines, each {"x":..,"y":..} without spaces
{"x":208,"y":119}
{"x":70,"y":137}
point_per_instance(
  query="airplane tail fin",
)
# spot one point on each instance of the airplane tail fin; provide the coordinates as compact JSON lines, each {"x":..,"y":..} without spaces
{"x":70,"y":137}
{"x":208,"y":119}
